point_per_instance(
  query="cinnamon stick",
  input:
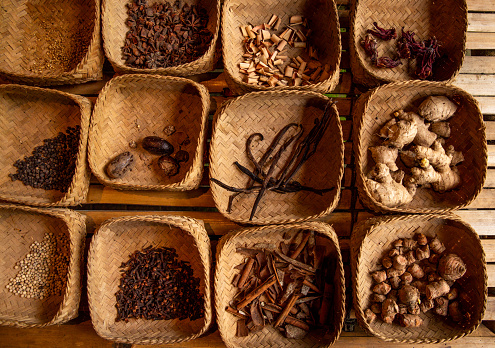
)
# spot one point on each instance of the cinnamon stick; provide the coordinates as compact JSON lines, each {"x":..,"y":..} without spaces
{"x":256,"y":292}
{"x":245,"y":273}
{"x":300,"y":247}
{"x":283,"y":315}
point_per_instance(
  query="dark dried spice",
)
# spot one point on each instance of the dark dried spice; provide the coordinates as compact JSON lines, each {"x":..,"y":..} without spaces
{"x":369,"y":45}
{"x":156,"y":285}
{"x":386,"y":62}
{"x":51,"y":165}
{"x":119,"y":165}
{"x":427,"y":57}
{"x":382,"y":33}
{"x":407,"y":46}
{"x":182,"y":156}
{"x":157,"y":145}
{"x":168,"y":165}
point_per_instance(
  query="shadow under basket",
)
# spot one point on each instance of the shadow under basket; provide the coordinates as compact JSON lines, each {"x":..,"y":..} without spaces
{"x":51,"y":42}
{"x":132,"y":107}
{"x":228,"y":258}
{"x":322,"y":19}
{"x":372,"y":238}
{"x":374,"y":108}
{"x":114,"y":17}
{"x":30,"y":115}
{"x":20,"y":227}
{"x":113,"y":244}
{"x":444,"y":19}
{"x":267,"y":113}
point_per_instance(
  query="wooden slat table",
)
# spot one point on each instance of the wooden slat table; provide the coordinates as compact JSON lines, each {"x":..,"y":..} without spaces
{"x":477,"y":77}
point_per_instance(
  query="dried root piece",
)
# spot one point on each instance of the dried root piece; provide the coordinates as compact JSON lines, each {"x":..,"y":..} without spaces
{"x":409,"y":296}
{"x":437,"y":289}
{"x":399,"y":133}
{"x":416,"y":271}
{"x":451,"y":267}
{"x":385,"y":154}
{"x":385,"y":189}
{"x":410,"y":320}
{"x":437,"y":246}
{"x":441,"y":129}
{"x":369,"y":316}
{"x":382,"y":288}
{"x":423,"y":136}
{"x":437,"y":108}
{"x":379,"y":276}
{"x":389,"y":310}
{"x":441,"y":306}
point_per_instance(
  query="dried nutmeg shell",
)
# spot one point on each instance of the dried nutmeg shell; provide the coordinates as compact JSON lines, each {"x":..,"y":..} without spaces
{"x":168,"y":165}
{"x":182,"y":156}
{"x":157,"y":146}
{"x":451,"y":267}
{"x":119,"y":165}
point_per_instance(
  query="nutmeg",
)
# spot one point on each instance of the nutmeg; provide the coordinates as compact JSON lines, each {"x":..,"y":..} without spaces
{"x":119,"y":165}
{"x":182,"y":156}
{"x":168,"y":165}
{"x":157,"y":146}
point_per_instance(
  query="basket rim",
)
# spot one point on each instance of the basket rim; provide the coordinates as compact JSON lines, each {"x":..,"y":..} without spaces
{"x":366,"y":100}
{"x":316,"y":86}
{"x":220,"y":117}
{"x":56,"y":77}
{"x":231,"y":237}
{"x":366,"y":76}
{"x":168,"y":70}
{"x":200,"y":236}
{"x":82,"y":173}
{"x":72,"y":291}
{"x":191,"y":179}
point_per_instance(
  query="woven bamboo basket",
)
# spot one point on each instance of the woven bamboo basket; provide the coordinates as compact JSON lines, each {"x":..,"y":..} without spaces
{"x":322,"y":17}
{"x":30,"y":115}
{"x":373,"y":237}
{"x":267,"y":113}
{"x":114,"y":242}
{"x":51,"y":42}
{"x":132,"y":107}
{"x":374,"y":108}
{"x":228,"y":258}
{"x":444,"y":19}
{"x":21,"y":226}
{"x":114,"y":16}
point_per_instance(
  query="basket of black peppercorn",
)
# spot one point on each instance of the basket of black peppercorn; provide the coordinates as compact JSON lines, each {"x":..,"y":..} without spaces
{"x":149,"y":279}
{"x":148,"y":133}
{"x":40,"y":265}
{"x":166,"y":37}
{"x":43,"y":157}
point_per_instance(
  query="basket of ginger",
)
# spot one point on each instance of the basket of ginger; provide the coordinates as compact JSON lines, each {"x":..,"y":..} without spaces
{"x":420,"y":147}
{"x":418,"y":278}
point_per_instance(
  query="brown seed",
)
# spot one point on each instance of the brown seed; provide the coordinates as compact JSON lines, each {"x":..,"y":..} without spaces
{"x":119,"y":165}
{"x":157,"y":146}
{"x":168,"y":165}
{"x":182,"y":156}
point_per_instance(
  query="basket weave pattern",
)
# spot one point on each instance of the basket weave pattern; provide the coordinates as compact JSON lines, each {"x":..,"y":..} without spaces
{"x":114,"y":242}
{"x":21,"y":226}
{"x":374,"y":108}
{"x":373,"y":237}
{"x":131,"y":107}
{"x":228,"y":258}
{"x":114,"y":16}
{"x":323,"y":19}
{"x":444,"y":19}
{"x":31,"y":31}
{"x":30,"y":115}
{"x":267,"y":113}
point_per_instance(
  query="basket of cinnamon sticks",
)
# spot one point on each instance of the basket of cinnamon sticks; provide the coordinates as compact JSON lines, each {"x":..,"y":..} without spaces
{"x":418,"y":278}
{"x":280,"y":285}
{"x":407,"y":40}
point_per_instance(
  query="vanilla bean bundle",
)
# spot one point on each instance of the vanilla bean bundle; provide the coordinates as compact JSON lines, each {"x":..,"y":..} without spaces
{"x":263,"y":179}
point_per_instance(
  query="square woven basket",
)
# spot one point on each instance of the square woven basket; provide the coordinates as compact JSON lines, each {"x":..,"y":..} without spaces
{"x":21,"y":226}
{"x":374,"y":108}
{"x":444,"y":19}
{"x":29,"y":115}
{"x":267,"y":113}
{"x":113,"y":244}
{"x":373,"y":237}
{"x":51,"y":42}
{"x":228,"y":258}
{"x":114,"y":16}
{"x":132,"y":107}
{"x":323,"y":20}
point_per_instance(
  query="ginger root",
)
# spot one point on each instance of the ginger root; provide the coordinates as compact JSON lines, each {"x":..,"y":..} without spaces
{"x":389,"y":310}
{"x":451,"y":267}
{"x":399,"y":133}
{"x":441,"y":129}
{"x":385,"y":154}
{"x":423,"y":136}
{"x":385,"y":189}
{"x":437,"y":108}
{"x":410,"y":320}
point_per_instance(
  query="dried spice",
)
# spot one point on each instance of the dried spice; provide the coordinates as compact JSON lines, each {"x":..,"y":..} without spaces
{"x":262,"y":179}
{"x":369,"y":45}
{"x":156,"y":285}
{"x":164,"y":35}
{"x":386,"y":62}
{"x":427,"y":57}
{"x":119,"y":165}
{"x":51,"y":165}
{"x":287,"y":290}
{"x":382,"y":33}
{"x":427,"y":286}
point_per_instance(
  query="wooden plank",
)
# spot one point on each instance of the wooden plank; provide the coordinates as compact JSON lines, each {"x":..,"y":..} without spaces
{"x":490,"y":130}
{"x":485,"y":200}
{"x":491,"y":155}
{"x":481,"y":5}
{"x":490,"y":271}
{"x":482,"y":221}
{"x":476,"y":84}
{"x":478,"y":65}
{"x":490,"y":178}
{"x":487,"y":105}
{"x":490,"y":309}
{"x":480,"y":41}
{"x":489,"y":248}
{"x":481,"y":22}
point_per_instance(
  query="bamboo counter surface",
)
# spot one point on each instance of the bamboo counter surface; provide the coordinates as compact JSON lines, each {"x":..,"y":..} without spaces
{"x":477,"y":77}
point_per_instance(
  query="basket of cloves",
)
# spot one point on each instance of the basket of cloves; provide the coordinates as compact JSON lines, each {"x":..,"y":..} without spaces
{"x":45,"y":164}
{"x":280,"y":286}
{"x":165,"y":37}
{"x":285,"y":44}
{"x":423,"y":150}
{"x":148,"y":133}
{"x":407,"y":40}
{"x":149,"y":279}
{"x":418,"y":278}
{"x":285,"y":162}
{"x":40,"y":265}
{"x":51,"y":43}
